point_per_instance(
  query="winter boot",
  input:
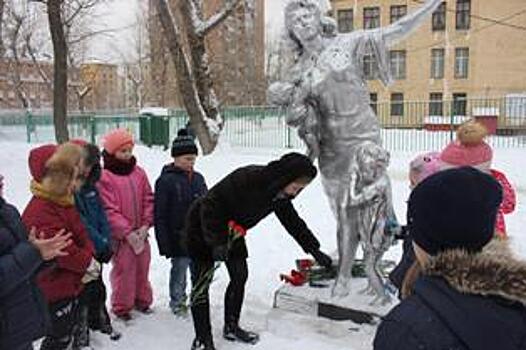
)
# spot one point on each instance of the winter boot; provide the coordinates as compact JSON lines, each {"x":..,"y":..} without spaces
{"x":200,"y":345}
{"x":145,"y":310}
{"x":81,"y":330}
{"x":232,"y":332}
{"x":124,"y":316}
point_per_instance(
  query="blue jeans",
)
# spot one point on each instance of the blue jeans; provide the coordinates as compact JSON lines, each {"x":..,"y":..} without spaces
{"x":178,"y":271}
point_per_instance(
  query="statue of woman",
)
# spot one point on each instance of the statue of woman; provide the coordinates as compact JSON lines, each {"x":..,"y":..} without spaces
{"x":326,"y":97}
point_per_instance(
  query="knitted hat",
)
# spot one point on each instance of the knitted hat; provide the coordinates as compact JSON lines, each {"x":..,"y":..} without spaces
{"x":183,"y":144}
{"x":423,"y":166}
{"x":38,"y":158}
{"x":469,"y":149}
{"x":454,"y":209}
{"x":79,"y":142}
{"x":116,"y":139}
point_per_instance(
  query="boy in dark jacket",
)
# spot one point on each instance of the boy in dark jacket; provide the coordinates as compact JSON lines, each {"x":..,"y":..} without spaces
{"x":246,"y":196}
{"x":178,"y":186}
{"x":23,"y":313}
{"x":470,"y":295}
{"x":93,"y":312}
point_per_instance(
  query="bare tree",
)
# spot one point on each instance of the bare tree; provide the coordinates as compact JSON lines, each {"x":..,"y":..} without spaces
{"x":191,"y":63}
{"x":68,"y":30}
{"x":14,"y":32}
{"x":138,"y":62}
{"x":60,"y":69}
{"x":2,"y":9}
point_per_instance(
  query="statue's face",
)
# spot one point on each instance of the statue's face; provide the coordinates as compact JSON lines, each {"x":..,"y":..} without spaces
{"x":304,"y":23}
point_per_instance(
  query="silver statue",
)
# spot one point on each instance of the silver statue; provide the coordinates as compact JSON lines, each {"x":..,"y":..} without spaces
{"x":327,"y":99}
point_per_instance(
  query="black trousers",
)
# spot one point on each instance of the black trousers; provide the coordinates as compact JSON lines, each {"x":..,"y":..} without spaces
{"x":202,"y":276}
{"x":93,"y":313}
{"x":64,"y":316}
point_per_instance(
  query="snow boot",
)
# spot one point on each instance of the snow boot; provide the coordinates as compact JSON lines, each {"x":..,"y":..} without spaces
{"x":200,"y":345}
{"x":233,"y":332}
{"x":145,"y":310}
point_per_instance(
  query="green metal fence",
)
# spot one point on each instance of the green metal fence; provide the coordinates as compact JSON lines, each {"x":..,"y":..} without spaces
{"x":408,"y":126}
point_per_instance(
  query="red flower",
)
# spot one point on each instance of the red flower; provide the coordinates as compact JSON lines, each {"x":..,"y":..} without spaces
{"x":240,"y":230}
{"x":295,"y":278}
{"x":236,"y":229}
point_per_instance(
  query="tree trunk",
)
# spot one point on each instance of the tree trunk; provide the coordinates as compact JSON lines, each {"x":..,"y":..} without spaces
{"x":200,"y":65}
{"x":60,"y":74}
{"x":2,"y":47}
{"x":81,"y":104}
{"x":185,"y":79}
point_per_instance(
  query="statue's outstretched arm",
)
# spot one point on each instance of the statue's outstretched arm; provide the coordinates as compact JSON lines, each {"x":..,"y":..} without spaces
{"x":397,"y":31}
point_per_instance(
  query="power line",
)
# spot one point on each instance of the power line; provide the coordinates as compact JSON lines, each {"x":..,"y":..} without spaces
{"x":494,"y":23}
{"x":483,"y":18}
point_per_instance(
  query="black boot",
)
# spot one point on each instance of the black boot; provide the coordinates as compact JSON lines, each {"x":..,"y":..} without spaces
{"x":203,"y":345}
{"x":81,"y":330}
{"x":233,"y":332}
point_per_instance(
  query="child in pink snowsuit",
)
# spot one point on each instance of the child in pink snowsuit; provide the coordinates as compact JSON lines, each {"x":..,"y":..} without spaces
{"x":128,"y":200}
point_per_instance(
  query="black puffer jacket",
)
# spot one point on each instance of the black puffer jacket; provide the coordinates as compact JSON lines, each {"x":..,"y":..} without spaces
{"x":247,"y":195}
{"x":462,"y":302}
{"x":175,"y":191}
{"x":23,"y":313}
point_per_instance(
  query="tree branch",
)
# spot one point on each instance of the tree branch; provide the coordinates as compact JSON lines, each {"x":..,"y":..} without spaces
{"x":216,"y":19}
{"x":88,"y":35}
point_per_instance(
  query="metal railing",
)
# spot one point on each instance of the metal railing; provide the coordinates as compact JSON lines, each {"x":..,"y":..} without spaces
{"x":408,"y":126}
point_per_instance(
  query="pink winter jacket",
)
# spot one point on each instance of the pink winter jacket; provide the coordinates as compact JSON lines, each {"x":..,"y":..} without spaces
{"x":128,"y":201}
{"x":508,"y":202}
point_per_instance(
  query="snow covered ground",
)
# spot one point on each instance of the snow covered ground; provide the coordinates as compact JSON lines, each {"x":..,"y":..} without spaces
{"x":271,"y":251}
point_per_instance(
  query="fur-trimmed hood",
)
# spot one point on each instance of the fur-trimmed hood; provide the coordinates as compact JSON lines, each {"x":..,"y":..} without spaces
{"x":54,"y":166}
{"x":493,"y":272}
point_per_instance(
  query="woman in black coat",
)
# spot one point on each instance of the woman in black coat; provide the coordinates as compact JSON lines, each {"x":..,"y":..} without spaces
{"x":246,"y":196}
{"x":23,"y":311}
{"x":471,"y":293}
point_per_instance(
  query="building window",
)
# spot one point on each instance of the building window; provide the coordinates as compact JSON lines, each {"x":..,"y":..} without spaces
{"x":345,"y":21}
{"x":463,"y":14}
{"x":439,"y":18}
{"x":397,"y":12}
{"x":436,"y":105}
{"x":459,"y":104}
{"x":370,"y":68}
{"x":461,"y":62}
{"x":437,"y":63}
{"x":397,"y":105}
{"x":371,"y":17}
{"x":397,"y":64}
{"x":373,"y":97}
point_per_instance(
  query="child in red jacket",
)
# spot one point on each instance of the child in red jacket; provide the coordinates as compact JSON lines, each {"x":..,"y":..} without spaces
{"x":52,"y":209}
{"x":470,"y":149}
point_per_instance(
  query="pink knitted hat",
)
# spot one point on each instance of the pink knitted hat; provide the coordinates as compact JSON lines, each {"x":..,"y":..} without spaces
{"x":469,"y":149}
{"x":116,"y":139}
{"x":422,"y":166}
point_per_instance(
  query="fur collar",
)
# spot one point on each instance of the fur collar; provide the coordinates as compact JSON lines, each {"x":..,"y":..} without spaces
{"x":43,"y":191}
{"x":493,"y":272}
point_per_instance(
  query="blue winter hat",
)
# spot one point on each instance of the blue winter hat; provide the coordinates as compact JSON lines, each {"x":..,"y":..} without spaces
{"x":454,"y":209}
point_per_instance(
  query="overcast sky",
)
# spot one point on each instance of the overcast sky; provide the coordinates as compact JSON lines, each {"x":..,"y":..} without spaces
{"x":122,"y":14}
